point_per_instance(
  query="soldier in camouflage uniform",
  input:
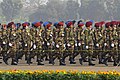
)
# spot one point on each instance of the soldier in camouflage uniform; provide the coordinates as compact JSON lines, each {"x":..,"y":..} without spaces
{"x":80,"y":41}
{"x":69,"y":40}
{"x":98,"y":35}
{"x":114,"y":42}
{"x":59,"y":41}
{"x":12,"y":42}
{"x":107,"y":38}
{"x":48,"y":41}
{"x":88,"y":47}
{"x":4,"y":43}
{"x":38,"y":41}
{"x":26,"y":41}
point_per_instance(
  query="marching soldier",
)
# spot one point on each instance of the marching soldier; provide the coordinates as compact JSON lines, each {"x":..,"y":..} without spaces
{"x":12,"y":42}
{"x":59,"y":41}
{"x":26,"y":41}
{"x":98,"y":41}
{"x":38,"y":42}
{"x":4,"y":43}
{"x":114,"y":42}
{"x":69,"y":40}
{"x":80,"y":41}
{"x":88,"y":40}
{"x":107,"y":38}
{"x":48,"y":41}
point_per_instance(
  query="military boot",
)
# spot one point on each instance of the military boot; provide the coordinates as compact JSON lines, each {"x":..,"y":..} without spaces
{"x":72,"y":61}
{"x":81,"y":61}
{"x":105,"y":61}
{"x":90,"y":62}
{"x":5,"y":58}
{"x":14,"y":62}
{"x":51,"y":61}
{"x":61,"y":62}
{"x":40,"y":63}
{"x":115,"y":62}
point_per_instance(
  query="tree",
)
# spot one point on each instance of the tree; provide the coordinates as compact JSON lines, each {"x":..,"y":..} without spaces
{"x":11,"y":8}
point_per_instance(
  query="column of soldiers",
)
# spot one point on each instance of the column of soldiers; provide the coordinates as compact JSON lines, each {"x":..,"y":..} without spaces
{"x":48,"y":42}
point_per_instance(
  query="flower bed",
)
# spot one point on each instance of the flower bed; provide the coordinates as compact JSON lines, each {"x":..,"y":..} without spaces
{"x":58,"y":75}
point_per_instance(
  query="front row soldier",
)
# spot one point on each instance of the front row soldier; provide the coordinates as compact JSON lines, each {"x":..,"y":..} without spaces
{"x":48,"y":41}
{"x":37,"y":42}
{"x":70,"y":40}
{"x":80,"y":41}
{"x":88,"y":40}
{"x":98,"y":42}
{"x":58,"y":38}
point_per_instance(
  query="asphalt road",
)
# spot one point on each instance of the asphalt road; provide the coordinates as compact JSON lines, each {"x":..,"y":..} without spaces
{"x":23,"y":66}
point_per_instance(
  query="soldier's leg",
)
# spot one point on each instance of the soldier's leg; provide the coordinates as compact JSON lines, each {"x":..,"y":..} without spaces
{"x":5,"y":57}
{"x":14,"y":57}
{"x":90,"y":53}
{"x":39,"y":56}
{"x":65,"y":55}
{"x":115,"y":57}
{"x":51,"y":58}
{"x":107,"y":56}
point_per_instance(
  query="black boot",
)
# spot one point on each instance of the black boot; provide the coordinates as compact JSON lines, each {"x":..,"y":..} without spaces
{"x":29,"y":61}
{"x":5,"y":59}
{"x":81,"y":61}
{"x":105,"y":61}
{"x":115,"y":62}
{"x":51,"y":61}
{"x":72,"y":61}
{"x":90,"y":62}
{"x":14,"y":62}
{"x":39,"y":63}
{"x":62,"y":63}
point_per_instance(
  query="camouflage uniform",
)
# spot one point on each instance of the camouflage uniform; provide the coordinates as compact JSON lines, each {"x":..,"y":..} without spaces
{"x":98,"y":42}
{"x":70,"y":37}
{"x":4,"y":45}
{"x":48,"y":44}
{"x":80,"y":42}
{"x":27,"y":38}
{"x":38,"y":45}
{"x":59,"y":43}
{"x":88,"y":40}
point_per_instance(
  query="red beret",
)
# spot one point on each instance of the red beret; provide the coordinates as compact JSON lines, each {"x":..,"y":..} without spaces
{"x":25,"y":24}
{"x":102,"y":23}
{"x":88,"y":24}
{"x":69,"y":23}
{"x":80,"y":24}
{"x":61,"y":23}
{"x":10,"y":24}
{"x":112,"y":23}
{"x":37,"y":24}
{"x":97,"y":24}
{"x":107,"y":24}
{"x":48,"y":25}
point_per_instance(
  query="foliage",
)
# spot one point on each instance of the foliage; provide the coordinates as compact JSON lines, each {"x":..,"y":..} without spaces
{"x":58,"y":75}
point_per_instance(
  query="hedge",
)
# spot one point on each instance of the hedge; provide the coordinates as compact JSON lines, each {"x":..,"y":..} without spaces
{"x":58,"y":75}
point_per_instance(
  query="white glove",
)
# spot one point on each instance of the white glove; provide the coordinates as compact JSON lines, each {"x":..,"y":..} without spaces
{"x":10,"y":44}
{"x":4,"y":43}
{"x":79,"y":44}
{"x":86,"y":47}
{"x":57,"y":46}
{"x":48,"y":44}
{"x":34,"y":46}
{"x":68,"y":45}
{"x":25,"y":44}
